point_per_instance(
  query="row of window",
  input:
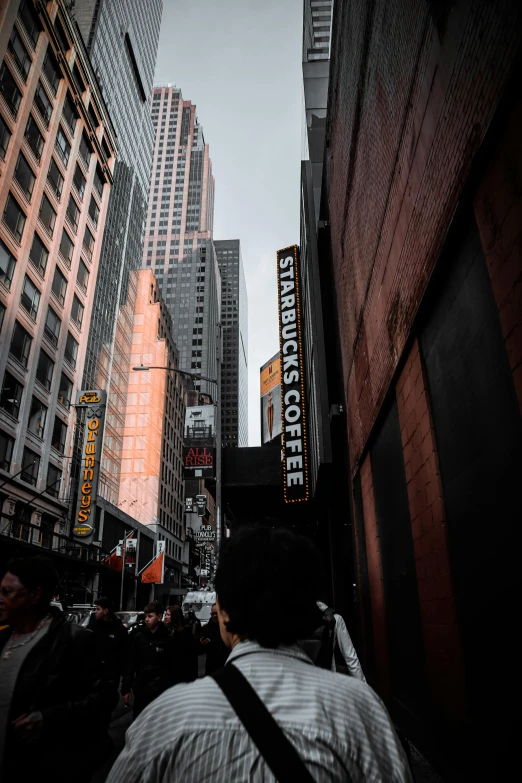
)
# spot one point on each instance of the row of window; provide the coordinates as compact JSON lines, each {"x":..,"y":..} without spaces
{"x":30,"y":465}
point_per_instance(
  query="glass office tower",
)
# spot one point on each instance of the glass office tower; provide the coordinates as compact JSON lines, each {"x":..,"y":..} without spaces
{"x":122,"y":39}
{"x":234,"y":320}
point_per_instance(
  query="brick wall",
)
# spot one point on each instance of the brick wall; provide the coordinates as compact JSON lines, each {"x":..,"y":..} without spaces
{"x":373,"y":554}
{"x":498,"y":210}
{"x":412,"y":93}
{"x":444,"y":661}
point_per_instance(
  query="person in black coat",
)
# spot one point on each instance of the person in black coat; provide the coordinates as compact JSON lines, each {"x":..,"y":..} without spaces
{"x":112,"y":645}
{"x":186,"y":659}
{"x":151,"y":664}
{"x":51,"y":683}
{"x":211,"y":643}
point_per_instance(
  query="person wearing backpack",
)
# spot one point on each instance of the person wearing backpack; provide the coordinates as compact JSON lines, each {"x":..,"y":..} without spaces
{"x":342,"y":656}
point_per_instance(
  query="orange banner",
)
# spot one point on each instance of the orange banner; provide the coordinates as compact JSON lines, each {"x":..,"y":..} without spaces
{"x":154,"y":572}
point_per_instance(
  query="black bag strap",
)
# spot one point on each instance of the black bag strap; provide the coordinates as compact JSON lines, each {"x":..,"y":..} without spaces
{"x":267,"y":735}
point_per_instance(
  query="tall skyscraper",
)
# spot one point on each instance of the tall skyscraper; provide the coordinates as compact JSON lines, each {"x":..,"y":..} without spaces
{"x":57,"y":152}
{"x":178,"y":239}
{"x":122,"y":39}
{"x":234,"y":367}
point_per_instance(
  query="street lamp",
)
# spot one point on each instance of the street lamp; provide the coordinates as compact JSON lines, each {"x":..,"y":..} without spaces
{"x":198,"y":377}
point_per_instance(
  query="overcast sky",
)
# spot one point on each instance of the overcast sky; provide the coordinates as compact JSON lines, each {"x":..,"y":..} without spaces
{"x":239,"y":61}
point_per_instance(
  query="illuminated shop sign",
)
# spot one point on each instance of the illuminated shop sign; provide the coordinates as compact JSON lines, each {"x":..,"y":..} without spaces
{"x":293,"y":408}
{"x":94,"y":402}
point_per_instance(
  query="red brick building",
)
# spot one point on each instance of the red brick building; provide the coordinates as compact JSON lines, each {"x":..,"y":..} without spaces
{"x":422,"y":212}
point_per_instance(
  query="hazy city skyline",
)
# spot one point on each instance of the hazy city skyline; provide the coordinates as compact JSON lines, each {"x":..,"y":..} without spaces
{"x":254,"y":132}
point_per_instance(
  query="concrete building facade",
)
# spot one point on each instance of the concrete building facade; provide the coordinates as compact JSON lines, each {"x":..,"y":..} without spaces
{"x":57,"y":156}
{"x":234,"y":328}
{"x":151,"y":484}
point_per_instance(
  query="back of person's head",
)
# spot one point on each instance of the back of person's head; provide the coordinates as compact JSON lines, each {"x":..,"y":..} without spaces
{"x":106,"y":603}
{"x":255,"y":585}
{"x":154,"y":608}
{"x":176,"y":615}
{"x":33,"y":573}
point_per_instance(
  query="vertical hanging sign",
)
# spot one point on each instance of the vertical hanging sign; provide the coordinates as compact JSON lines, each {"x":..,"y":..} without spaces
{"x":293,"y":407}
{"x":94,"y":402}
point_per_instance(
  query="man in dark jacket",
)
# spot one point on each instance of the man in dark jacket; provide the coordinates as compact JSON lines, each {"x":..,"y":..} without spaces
{"x":50,"y":681}
{"x":186,"y":659}
{"x":112,"y":646}
{"x":151,"y":667}
{"x":211,"y":643}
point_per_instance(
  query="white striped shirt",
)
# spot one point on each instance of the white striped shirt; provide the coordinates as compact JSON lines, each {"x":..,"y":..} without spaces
{"x":337,"y":724}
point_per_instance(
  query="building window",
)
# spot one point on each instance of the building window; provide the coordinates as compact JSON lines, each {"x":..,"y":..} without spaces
{"x":94,"y":212}
{"x":59,"y":435}
{"x":43,"y":104}
{"x":7,"y":265}
{"x":47,"y":214}
{"x":83,"y":276}
{"x":77,"y":312}
{"x":38,"y":255}
{"x":71,"y":350}
{"x":6,"y":451}
{"x":55,"y":179}
{"x":11,"y":395}
{"x":30,"y":466}
{"x":65,"y":391}
{"x":44,"y":371}
{"x":24,"y":176}
{"x":37,"y":416}
{"x":14,"y":217}
{"x":19,"y":54}
{"x":98,"y":181}
{"x":30,"y":298}
{"x":62,"y":146}
{"x":85,"y":150}
{"x":9,"y":90}
{"x":5,"y":135}
{"x":30,"y":21}
{"x":66,"y":247}
{"x":52,"y":326}
{"x":88,"y":242}
{"x":73,"y":213}
{"x":79,"y":181}
{"x":69,"y":113}
{"x":59,"y":286}
{"x":54,"y":480}
{"x":2,"y":314}
{"x":51,"y":70}
{"x":20,"y":344}
{"x":34,"y":137}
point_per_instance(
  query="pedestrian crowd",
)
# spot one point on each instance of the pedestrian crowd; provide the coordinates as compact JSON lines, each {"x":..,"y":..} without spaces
{"x":284,"y":697}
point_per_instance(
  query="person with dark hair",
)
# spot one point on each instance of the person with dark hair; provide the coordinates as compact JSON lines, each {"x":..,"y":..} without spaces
{"x":50,"y":679}
{"x":211,"y":643}
{"x":151,"y":664}
{"x":269,"y":714}
{"x":184,"y":649}
{"x":112,"y":645}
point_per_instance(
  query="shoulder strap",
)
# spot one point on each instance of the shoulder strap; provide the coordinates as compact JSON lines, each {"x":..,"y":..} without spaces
{"x":267,"y":735}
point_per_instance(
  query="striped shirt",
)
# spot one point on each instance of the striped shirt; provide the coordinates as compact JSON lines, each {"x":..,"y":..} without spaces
{"x":337,"y":724}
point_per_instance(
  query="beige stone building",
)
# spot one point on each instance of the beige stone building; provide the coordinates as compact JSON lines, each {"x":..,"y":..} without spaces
{"x":151,"y":484}
{"x":57,"y":154}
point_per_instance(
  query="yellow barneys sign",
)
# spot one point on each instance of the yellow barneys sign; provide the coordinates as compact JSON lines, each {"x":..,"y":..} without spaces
{"x":94,"y":402}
